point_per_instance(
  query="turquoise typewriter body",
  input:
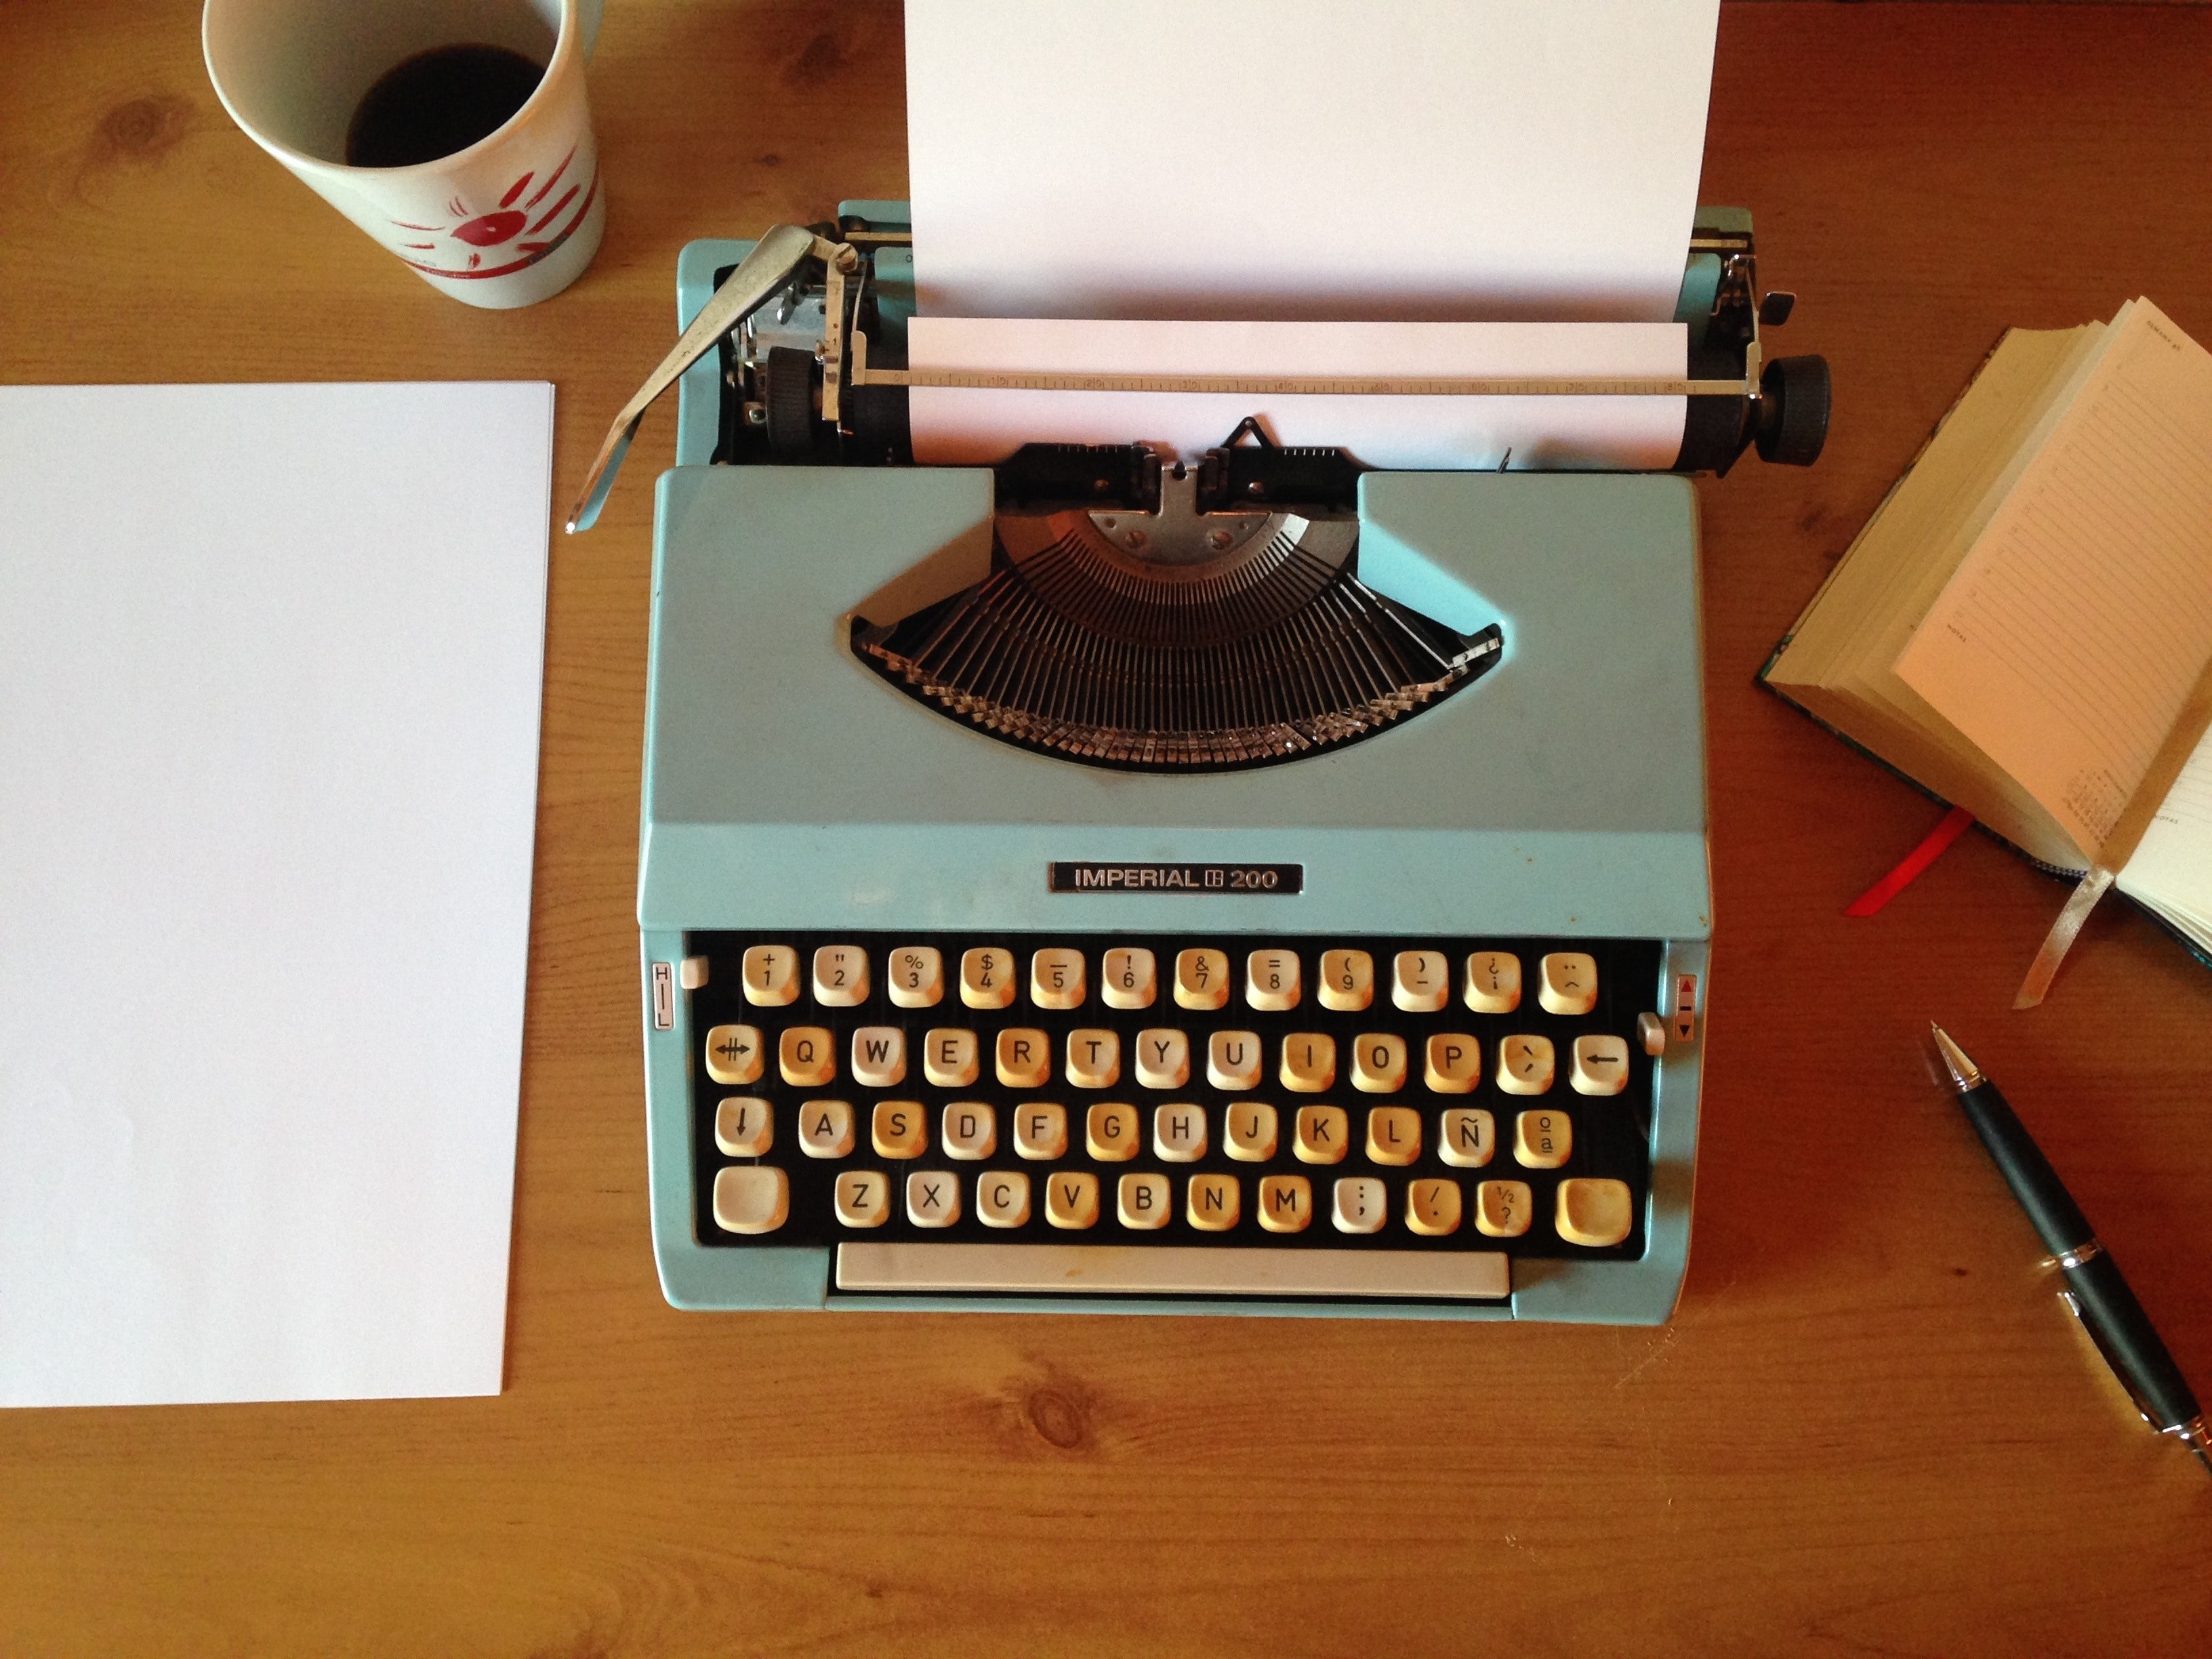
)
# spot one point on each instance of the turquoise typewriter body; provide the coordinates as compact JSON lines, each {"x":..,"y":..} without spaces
{"x":799,"y":811}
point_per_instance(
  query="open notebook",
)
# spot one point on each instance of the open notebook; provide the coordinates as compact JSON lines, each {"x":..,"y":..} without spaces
{"x":2027,"y":619}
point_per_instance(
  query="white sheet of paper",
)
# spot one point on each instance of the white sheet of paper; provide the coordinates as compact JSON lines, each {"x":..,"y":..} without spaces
{"x":1237,"y":159}
{"x":970,"y":426}
{"x":269,"y":671}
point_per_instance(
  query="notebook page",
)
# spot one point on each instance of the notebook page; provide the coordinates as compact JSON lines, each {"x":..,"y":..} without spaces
{"x":1320,"y":158}
{"x":2172,"y":868}
{"x":960,"y":426}
{"x":2070,"y":637}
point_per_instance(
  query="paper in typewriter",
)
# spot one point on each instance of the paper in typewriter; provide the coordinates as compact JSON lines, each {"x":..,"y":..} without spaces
{"x":959,"y":426}
{"x":1531,"y":161}
{"x":1446,"y":160}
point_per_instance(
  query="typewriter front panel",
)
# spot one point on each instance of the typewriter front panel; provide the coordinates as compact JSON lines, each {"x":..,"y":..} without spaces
{"x":1555,"y":808}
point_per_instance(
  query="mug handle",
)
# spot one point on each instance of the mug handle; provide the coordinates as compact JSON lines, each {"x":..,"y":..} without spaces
{"x":587,"y":25}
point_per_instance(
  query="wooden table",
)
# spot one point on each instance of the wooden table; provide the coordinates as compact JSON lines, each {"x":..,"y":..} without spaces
{"x":1870,"y":1428}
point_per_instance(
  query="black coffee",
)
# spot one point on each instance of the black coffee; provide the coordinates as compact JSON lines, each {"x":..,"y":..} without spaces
{"x":438,"y":102}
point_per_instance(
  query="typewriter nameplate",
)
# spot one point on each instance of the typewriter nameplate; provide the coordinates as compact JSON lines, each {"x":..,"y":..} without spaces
{"x":1096,"y":878}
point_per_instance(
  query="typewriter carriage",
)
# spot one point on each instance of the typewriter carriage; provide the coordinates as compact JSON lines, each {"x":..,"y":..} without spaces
{"x":1780,"y":405}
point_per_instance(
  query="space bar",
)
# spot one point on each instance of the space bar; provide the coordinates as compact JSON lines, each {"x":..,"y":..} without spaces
{"x":1169,"y":1270}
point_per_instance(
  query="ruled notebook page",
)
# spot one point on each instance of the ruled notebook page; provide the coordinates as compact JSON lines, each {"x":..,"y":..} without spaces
{"x":2172,"y":869}
{"x":2073,"y":632}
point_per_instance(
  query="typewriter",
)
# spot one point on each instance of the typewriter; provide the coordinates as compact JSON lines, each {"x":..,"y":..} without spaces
{"x":1101,"y":883}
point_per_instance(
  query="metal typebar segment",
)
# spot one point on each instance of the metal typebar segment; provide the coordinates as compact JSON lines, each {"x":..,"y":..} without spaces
{"x":779,"y":252}
{"x":1302,"y":386}
{"x":832,"y":346}
{"x":1171,"y":1270}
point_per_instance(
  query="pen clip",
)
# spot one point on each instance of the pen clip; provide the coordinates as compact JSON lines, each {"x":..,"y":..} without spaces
{"x":2119,"y":1373}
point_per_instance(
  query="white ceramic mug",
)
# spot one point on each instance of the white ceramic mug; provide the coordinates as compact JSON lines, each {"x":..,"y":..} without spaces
{"x":509,"y":221}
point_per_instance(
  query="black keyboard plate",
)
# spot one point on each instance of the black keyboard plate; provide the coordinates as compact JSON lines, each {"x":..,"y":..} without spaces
{"x":1612,"y":1133}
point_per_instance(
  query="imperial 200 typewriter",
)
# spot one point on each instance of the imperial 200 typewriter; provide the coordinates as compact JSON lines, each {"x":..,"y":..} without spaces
{"x":1097,"y":881}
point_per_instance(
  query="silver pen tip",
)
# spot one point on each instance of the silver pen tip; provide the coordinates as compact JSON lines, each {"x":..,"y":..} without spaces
{"x":1965,"y":1074}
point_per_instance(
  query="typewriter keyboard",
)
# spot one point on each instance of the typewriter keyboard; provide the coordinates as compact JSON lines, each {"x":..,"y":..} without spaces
{"x":1200,"y":1114}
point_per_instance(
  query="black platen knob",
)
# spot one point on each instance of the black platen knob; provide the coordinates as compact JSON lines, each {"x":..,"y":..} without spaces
{"x":880,"y":428}
{"x":789,"y":396}
{"x":1793,"y":410}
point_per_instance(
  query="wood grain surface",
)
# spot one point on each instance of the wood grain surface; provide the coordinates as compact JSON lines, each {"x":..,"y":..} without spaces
{"x":1870,"y":1428}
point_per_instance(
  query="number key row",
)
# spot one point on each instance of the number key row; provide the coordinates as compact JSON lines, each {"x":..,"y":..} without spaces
{"x":1058,"y":978}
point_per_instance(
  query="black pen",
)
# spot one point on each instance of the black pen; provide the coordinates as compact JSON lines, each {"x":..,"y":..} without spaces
{"x":2096,"y":1293}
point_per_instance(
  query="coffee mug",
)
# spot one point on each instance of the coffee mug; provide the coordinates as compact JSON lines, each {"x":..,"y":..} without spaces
{"x":508,"y":219}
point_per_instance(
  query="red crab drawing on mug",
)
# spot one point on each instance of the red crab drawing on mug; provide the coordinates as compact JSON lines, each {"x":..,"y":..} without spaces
{"x":495,"y":234}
